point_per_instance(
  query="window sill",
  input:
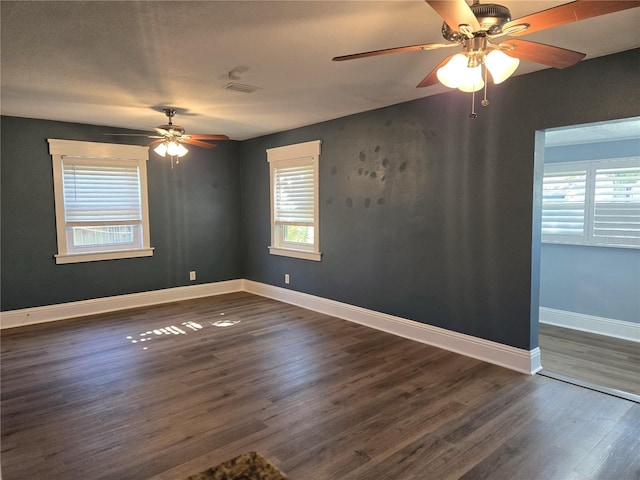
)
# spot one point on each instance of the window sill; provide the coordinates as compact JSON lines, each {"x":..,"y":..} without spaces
{"x":97,"y":256}
{"x":303,"y":254}
{"x":585,"y":244}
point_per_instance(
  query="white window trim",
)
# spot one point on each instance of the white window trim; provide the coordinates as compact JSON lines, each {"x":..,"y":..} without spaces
{"x":589,"y":167}
{"x":289,"y":154}
{"x":58,"y":149}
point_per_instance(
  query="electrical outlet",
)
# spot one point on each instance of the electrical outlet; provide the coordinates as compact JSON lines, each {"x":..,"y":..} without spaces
{"x":192,"y":275}
{"x":286,"y":278}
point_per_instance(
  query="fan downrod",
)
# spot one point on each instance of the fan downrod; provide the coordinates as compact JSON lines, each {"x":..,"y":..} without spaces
{"x":170,"y":113}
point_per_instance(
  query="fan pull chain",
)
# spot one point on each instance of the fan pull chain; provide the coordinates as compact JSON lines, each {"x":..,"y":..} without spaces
{"x":484,"y":101}
{"x":473,"y":113}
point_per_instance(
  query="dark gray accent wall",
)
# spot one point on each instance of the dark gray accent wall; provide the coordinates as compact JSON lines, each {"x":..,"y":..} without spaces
{"x":428,"y":215}
{"x":194,"y":213}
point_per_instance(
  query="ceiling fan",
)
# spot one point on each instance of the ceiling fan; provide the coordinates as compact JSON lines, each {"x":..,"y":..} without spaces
{"x":474,"y":27}
{"x":169,"y":138}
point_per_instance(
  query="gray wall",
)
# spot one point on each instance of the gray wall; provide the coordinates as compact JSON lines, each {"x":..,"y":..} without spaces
{"x":426,"y":214}
{"x":194,"y":221}
{"x":604,"y":282}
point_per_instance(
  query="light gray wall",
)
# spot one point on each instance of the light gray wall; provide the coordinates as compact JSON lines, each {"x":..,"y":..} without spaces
{"x":599,"y":281}
{"x":604,"y":282}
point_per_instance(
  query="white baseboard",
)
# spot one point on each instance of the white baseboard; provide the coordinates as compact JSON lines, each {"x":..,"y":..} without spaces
{"x":50,"y":313}
{"x":517,"y":359}
{"x":590,"y":323}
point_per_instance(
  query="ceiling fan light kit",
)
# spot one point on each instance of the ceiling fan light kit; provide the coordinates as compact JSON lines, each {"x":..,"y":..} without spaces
{"x":171,"y":148}
{"x":161,"y":149}
{"x":474,"y":26}
{"x":500,"y":65}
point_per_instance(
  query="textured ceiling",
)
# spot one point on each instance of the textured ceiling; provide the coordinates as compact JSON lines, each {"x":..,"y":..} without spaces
{"x":118,"y":63}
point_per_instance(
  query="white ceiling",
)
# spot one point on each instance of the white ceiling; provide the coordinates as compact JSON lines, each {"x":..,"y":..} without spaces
{"x":118,"y":63}
{"x":613,"y":130}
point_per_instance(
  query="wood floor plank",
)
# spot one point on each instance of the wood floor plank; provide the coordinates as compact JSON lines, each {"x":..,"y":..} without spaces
{"x":603,"y":461}
{"x":596,"y":359}
{"x":163,"y":392}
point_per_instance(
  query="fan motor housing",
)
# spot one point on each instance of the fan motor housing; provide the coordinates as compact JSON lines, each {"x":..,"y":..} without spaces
{"x":491,"y":18}
{"x":174,"y":129}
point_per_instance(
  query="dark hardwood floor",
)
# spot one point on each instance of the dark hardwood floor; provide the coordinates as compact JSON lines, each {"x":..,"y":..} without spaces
{"x":319,"y":397}
{"x":594,"y":359}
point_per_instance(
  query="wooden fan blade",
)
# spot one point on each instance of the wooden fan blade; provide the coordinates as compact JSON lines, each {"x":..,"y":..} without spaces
{"x":432,"y":79}
{"x":545,"y":54}
{"x":455,"y":13}
{"x":568,"y":13}
{"x":199,"y":143}
{"x":128,"y":135}
{"x":408,"y":48}
{"x":202,"y":136}
{"x":155,"y":142}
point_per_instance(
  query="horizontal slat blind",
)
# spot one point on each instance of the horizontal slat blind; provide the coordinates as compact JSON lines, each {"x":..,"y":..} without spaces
{"x":617,"y":203}
{"x":100,"y":194}
{"x":563,"y":203}
{"x":294,"y":195}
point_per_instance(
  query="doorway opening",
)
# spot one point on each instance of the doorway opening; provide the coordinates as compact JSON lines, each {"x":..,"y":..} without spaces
{"x":587,"y":239}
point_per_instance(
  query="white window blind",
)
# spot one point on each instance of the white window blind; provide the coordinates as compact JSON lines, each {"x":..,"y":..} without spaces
{"x":101,"y":194}
{"x":101,"y":204}
{"x":617,"y":203}
{"x":595,"y":202}
{"x":294,"y":198}
{"x":294,"y":184}
{"x":563,"y":199}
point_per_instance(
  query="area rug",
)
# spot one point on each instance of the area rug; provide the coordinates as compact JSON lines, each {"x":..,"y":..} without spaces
{"x":248,"y":466}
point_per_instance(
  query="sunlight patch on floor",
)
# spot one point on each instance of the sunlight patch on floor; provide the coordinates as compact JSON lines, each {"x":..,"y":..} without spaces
{"x":184,"y":329}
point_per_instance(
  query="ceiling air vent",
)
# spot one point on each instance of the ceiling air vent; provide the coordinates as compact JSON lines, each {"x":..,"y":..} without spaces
{"x":240,"y":87}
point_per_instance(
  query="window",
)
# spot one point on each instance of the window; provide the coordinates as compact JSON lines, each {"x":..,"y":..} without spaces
{"x":101,"y":200}
{"x":294,"y":200}
{"x":592,"y":203}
